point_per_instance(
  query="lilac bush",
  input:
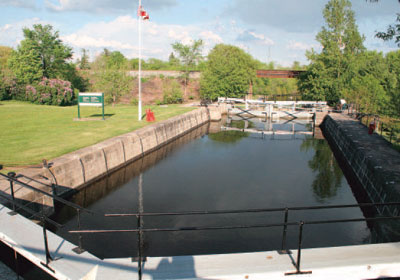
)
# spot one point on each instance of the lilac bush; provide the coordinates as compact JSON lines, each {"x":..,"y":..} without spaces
{"x":50,"y":92}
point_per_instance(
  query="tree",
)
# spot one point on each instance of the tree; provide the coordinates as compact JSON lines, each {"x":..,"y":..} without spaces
{"x":173,"y":61}
{"x":393,"y":63}
{"x":189,"y":56}
{"x":329,"y":71}
{"x":228,"y":73}
{"x":40,"y":54}
{"x":112,"y":77}
{"x":371,"y":83}
{"x":84,"y":61}
{"x":114,"y":84}
{"x":393,"y":32}
{"x":5,"y":53}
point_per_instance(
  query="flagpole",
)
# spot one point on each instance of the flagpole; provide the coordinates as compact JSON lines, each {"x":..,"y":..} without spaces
{"x":140,"y":64}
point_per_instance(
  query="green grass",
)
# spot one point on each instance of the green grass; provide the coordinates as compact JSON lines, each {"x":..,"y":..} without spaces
{"x":30,"y":133}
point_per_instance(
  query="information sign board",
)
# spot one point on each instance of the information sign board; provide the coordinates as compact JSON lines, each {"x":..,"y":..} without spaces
{"x":95,"y":99}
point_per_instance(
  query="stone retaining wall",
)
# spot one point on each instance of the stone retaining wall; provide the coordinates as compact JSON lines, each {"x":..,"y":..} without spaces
{"x":82,"y":167}
{"x":371,"y":158}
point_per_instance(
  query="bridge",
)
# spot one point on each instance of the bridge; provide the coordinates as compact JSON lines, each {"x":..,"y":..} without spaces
{"x":283,"y":74}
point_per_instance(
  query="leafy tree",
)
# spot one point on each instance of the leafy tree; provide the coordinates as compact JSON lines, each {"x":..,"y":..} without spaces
{"x":370,"y":83}
{"x":329,"y":71}
{"x":114,"y":84}
{"x":228,"y":73}
{"x":111,"y":75}
{"x":84,"y":61}
{"x":173,"y":61}
{"x":172,"y":93}
{"x":25,"y":63}
{"x":5,"y":53}
{"x":393,"y":32}
{"x":115,"y":60}
{"x":189,"y":56}
{"x":41,"y":54}
{"x":393,"y":63}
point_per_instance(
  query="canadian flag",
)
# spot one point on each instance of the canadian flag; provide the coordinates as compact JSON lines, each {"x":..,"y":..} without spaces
{"x":143,"y":14}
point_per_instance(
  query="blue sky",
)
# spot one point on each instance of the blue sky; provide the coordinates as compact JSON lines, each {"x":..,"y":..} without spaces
{"x":271,"y":30}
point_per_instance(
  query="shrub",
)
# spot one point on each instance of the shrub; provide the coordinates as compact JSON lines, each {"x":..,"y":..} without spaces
{"x":134,"y":101}
{"x":172,"y":93}
{"x":50,"y":92}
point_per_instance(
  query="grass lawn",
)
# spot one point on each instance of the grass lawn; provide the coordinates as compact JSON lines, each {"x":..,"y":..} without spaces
{"x":30,"y":133}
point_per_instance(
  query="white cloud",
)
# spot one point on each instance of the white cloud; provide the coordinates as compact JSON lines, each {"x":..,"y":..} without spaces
{"x":85,"y":41}
{"x":300,"y":16}
{"x":211,"y":37}
{"x":11,"y":33}
{"x":294,"y":45}
{"x":250,"y":36}
{"x":105,"y":6}
{"x":28,"y":4}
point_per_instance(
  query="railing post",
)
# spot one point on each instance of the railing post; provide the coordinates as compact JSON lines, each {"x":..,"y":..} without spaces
{"x":298,"y":262}
{"x":79,"y":250}
{"x":12,"y":175}
{"x":283,"y":245}
{"x":139,"y":226}
{"x":46,"y":245}
{"x":16,"y":264}
{"x":391,"y":134}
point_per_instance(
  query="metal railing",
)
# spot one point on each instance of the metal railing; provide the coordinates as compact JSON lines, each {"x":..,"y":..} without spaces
{"x":140,"y":230}
{"x":285,"y":224}
{"x":17,"y":204}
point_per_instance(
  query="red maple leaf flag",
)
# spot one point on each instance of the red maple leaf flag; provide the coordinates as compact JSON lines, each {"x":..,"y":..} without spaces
{"x":143,"y":14}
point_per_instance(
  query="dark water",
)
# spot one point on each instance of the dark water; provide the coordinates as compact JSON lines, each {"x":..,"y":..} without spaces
{"x":229,"y":170}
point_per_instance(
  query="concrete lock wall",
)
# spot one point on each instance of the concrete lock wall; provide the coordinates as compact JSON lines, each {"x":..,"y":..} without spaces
{"x":77,"y":169}
{"x":371,"y":159}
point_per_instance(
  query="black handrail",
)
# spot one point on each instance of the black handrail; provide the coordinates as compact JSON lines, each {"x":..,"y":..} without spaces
{"x":285,"y":224}
{"x":216,"y":212}
{"x":13,"y":179}
{"x":57,"y":198}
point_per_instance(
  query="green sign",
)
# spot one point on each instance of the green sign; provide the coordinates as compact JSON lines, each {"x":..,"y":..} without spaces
{"x":95,"y":99}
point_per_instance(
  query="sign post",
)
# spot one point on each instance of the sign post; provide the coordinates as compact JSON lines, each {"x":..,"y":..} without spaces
{"x":95,"y":99}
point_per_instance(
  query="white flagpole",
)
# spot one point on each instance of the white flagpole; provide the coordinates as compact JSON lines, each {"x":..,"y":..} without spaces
{"x":140,"y":63}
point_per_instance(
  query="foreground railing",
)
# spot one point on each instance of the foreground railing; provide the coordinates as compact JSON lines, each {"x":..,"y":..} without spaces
{"x":284,"y":225}
{"x":18,"y":204}
{"x":140,"y":230}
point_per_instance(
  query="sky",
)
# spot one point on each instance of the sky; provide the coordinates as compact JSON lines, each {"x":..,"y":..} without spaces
{"x":270,"y":30}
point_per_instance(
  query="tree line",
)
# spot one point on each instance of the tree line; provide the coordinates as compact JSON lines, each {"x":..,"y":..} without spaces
{"x":40,"y":69}
{"x":346,"y":69}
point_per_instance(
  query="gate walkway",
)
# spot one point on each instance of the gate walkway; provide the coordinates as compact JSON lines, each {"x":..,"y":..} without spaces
{"x":351,"y":262}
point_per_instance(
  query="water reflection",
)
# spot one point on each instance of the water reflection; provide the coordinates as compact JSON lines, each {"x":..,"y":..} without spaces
{"x":328,"y":176}
{"x":200,"y":174}
{"x":228,"y":137}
